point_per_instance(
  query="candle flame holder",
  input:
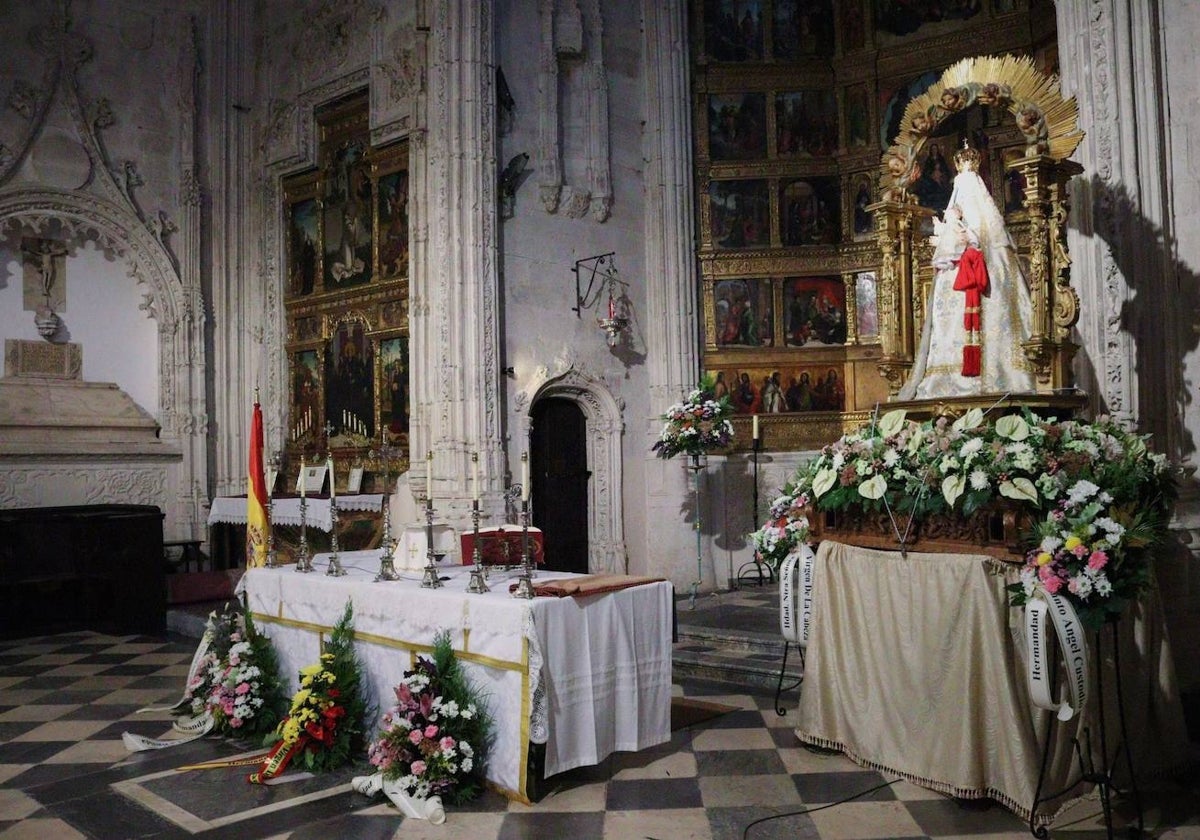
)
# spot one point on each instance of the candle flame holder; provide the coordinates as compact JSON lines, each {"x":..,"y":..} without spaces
{"x":304,"y":557}
{"x":335,"y":564}
{"x":430,"y":579}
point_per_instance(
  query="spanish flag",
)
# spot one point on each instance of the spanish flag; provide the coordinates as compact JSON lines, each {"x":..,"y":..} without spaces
{"x":257,"y":525}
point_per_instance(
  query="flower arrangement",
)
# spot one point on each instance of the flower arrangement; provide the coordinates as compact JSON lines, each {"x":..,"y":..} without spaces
{"x":236,"y":682}
{"x":1099,"y":497}
{"x":433,"y":743}
{"x":698,"y":424}
{"x":785,"y":529}
{"x":324,"y":725}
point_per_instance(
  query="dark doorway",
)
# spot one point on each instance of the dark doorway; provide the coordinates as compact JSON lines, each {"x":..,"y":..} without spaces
{"x":559,"y":475}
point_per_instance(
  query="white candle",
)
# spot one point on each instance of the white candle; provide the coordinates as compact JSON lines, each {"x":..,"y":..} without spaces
{"x":754,"y":428}
{"x":429,"y":475}
{"x":524,"y":476}
{"x":302,"y":493}
{"x":475,"y":476}
{"x":332,"y":491}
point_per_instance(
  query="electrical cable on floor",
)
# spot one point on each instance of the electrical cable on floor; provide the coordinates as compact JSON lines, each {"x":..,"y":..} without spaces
{"x":746,"y":831}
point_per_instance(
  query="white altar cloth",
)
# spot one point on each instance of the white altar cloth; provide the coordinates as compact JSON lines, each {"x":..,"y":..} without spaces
{"x":286,"y":511}
{"x":586,"y":676}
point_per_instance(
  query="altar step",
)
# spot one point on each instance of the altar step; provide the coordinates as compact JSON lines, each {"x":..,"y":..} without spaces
{"x":733,"y":638}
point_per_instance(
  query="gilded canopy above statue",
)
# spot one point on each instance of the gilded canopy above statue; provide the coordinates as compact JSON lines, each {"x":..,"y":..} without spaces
{"x":1025,"y":106}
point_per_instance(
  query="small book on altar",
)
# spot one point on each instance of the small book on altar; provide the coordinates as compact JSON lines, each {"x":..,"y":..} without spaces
{"x":502,"y":545}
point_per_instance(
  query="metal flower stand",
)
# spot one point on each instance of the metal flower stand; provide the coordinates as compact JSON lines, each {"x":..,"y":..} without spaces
{"x":699,"y":460}
{"x":755,"y":568}
{"x":1102,"y":775}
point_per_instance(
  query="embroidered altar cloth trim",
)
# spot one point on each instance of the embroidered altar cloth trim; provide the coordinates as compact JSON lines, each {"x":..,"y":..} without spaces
{"x":232,"y":509}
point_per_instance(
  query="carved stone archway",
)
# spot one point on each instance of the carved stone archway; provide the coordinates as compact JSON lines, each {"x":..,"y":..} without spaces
{"x":602,"y":414}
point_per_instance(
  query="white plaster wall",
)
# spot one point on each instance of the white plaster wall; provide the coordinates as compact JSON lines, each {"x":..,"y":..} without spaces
{"x":120,"y":341}
{"x":1180,"y":580}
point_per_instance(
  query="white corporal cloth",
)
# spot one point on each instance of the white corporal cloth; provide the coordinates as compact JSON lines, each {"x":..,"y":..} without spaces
{"x":286,"y":511}
{"x":586,"y":676}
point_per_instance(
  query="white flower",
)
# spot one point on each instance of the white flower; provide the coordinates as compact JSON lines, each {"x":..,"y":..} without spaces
{"x":891,"y":422}
{"x":1021,"y":489}
{"x":1113,"y":530}
{"x":949,"y":464}
{"x":971,"y":447}
{"x":952,"y":488}
{"x":1050,"y":544}
{"x":1012,"y":427}
{"x":970,"y":420}
{"x":1029,"y":581}
{"x":822,"y":481}
{"x":891,"y":457}
{"x":873,"y":488}
{"x":1080,"y":492}
{"x":979,"y":480}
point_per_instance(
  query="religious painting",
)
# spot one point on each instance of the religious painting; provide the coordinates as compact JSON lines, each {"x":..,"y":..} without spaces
{"x":1014,"y":183}
{"x":347,"y":217}
{"x":306,"y":393}
{"x":858,"y":116}
{"x":391,"y":210}
{"x":810,"y":211}
{"x":893,"y":103}
{"x":743,"y":313}
{"x":806,"y":123}
{"x":866,"y":304}
{"x":782,"y":389}
{"x":814,"y":311}
{"x":303,"y":234}
{"x":933,"y":186}
{"x":394,"y":410}
{"x":854,"y":25}
{"x":862,"y":222}
{"x":733,"y":30}
{"x":740,"y":214}
{"x":802,"y":28}
{"x":349,"y":380}
{"x":737,"y":126}
{"x":903,"y":17}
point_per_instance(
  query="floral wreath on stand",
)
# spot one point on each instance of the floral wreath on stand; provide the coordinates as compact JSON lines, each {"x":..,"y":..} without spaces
{"x":236,"y":682}
{"x":1098,"y":499}
{"x":323,"y":728}
{"x":785,"y":530}
{"x":696,"y":425}
{"x":434,"y":742}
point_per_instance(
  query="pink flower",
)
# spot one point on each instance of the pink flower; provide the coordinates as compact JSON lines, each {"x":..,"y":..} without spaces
{"x":1080,"y":550}
{"x":235,"y":722}
{"x":1052,"y":584}
{"x":447,"y":743}
{"x":243,"y":688}
{"x":431,"y":731}
{"x":234,"y":659}
{"x":1097,"y":560}
{"x":415,"y":736}
{"x":417,"y":767}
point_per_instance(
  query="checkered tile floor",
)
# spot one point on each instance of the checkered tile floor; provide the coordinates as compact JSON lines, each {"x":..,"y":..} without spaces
{"x":64,"y":774}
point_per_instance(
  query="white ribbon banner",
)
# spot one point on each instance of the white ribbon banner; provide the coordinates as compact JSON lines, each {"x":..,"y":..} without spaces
{"x":1042,"y":609}
{"x":795,"y":613}
{"x":193,"y":728}
{"x":193,"y":669}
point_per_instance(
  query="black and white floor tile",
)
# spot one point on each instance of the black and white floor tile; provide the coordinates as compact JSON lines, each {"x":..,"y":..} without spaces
{"x":65,"y":775}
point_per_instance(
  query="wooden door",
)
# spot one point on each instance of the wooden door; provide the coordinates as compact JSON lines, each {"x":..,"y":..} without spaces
{"x":559,"y":475}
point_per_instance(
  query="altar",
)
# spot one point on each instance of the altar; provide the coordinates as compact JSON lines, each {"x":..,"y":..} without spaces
{"x":586,"y":676}
{"x":916,"y":667}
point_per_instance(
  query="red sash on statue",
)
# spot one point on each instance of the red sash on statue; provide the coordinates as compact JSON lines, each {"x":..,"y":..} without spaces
{"x":972,"y":279}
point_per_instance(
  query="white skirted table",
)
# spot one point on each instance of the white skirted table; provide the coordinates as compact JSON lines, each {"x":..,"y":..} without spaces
{"x":231,"y":510}
{"x":917,"y":667}
{"x":585,"y":676}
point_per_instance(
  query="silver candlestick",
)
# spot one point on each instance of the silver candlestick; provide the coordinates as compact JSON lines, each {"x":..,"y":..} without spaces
{"x":335,"y":565}
{"x":430,"y":579}
{"x":387,"y":565}
{"x":477,"y":585}
{"x":272,"y":554}
{"x":525,"y":581}
{"x":304,"y":559}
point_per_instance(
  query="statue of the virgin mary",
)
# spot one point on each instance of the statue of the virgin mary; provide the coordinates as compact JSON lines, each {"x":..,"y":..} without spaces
{"x":979,"y":311}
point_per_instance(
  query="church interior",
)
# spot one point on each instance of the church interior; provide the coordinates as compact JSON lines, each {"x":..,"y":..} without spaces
{"x":370,"y":280}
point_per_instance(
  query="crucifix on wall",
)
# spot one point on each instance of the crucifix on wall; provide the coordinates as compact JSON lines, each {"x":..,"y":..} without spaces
{"x":45,"y":273}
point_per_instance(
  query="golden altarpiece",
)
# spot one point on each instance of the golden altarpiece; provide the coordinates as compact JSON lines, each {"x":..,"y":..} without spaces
{"x":794,"y":104}
{"x":346,"y":302}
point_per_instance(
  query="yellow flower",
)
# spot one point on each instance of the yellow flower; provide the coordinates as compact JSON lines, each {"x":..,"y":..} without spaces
{"x":300,"y":699}
{"x":306,"y":682}
{"x":1044,"y":558}
{"x":310,"y":670}
{"x":1072,"y":543}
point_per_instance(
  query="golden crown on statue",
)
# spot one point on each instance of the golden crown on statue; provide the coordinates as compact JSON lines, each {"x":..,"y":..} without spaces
{"x":966,"y":159}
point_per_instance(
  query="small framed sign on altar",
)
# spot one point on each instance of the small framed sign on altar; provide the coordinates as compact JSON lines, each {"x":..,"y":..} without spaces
{"x":272,"y":477}
{"x":311,"y":479}
{"x":354,"y":481}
